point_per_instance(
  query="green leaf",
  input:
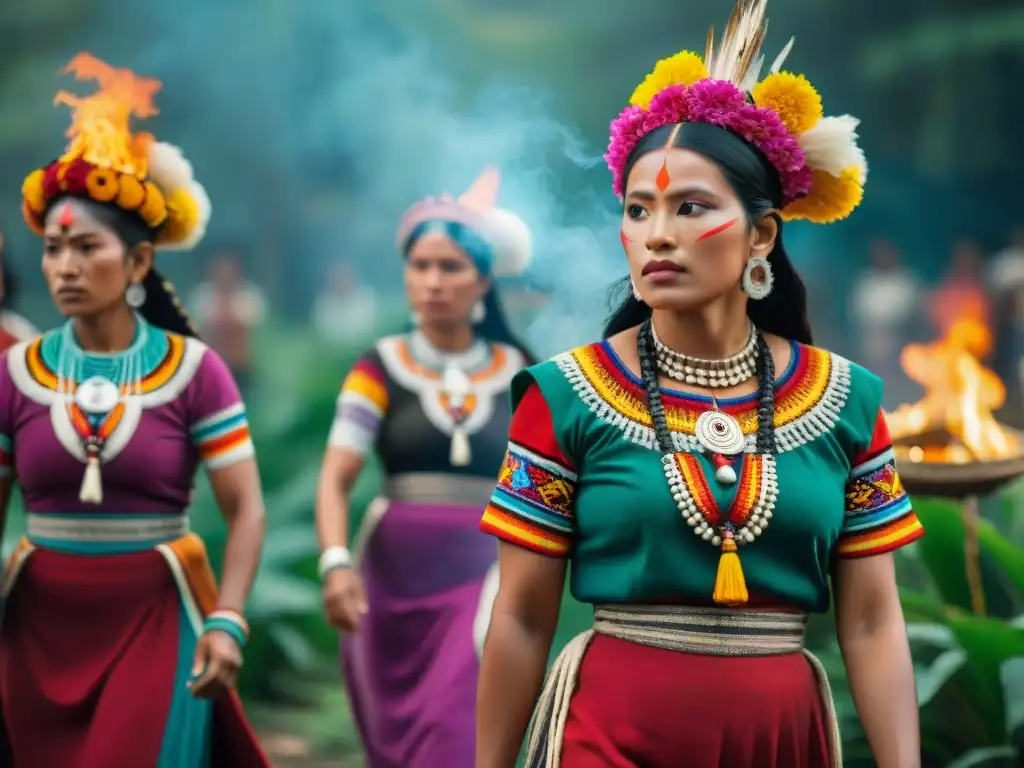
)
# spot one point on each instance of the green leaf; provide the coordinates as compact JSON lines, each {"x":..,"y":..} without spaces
{"x":988,"y":644}
{"x":942,"y":552}
{"x":1003,"y":756}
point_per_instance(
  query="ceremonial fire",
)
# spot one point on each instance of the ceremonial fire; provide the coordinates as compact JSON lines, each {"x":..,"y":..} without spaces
{"x":953,"y":423}
{"x":949,"y":441}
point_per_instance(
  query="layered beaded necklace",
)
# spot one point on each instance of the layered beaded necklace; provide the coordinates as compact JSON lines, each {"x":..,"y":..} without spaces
{"x":752,"y":507}
{"x":717,"y":374}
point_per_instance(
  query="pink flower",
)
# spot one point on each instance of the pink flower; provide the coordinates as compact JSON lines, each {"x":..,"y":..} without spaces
{"x":716,"y":102}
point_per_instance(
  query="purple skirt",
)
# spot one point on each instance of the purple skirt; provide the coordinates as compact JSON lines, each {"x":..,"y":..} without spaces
{"x":412,"y":667}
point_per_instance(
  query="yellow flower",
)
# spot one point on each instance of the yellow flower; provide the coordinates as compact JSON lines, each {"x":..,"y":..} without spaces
{"x":831,"y":197}
{"x":31,"y":218}
{"x":792,"y":97}
{"x":182,"y":217}
{"x":32,"y":191}
{"x":132,"y":194}
{"x":685,"y":68}
{"x":153,"y":209}
{"x":101,"y":184}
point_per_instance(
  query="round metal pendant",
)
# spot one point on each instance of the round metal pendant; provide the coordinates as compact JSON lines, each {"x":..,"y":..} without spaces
{"x":97,"y":395}
{"x":719,"y":433}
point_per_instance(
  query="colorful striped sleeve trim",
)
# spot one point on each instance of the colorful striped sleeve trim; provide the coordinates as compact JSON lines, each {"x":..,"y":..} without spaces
{"x":532,"y":503}
{"x":361,"y":407}
{"x":879,"y":517}
{"x":223,"y":438}
{"x":6,"y":456}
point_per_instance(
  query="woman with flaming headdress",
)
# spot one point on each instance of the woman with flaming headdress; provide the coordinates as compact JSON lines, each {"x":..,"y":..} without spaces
{"x":706,"y":502}
{"x":117,"y":648}
{"x":415,"y":598}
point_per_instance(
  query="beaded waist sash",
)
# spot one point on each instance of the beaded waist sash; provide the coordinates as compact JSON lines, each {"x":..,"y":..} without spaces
{"x":437,"y":488}
{"x":705,"y":631}
{"x":103,"y":534}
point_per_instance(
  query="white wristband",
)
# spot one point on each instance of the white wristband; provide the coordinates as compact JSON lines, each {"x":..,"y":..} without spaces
{"x":332,"y":558}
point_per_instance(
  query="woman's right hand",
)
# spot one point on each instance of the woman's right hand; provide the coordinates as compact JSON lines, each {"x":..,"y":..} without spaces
{"x":344,"y":599}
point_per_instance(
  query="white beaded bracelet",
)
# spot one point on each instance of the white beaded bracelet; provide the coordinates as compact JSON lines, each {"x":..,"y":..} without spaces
{"x":333,"y":558}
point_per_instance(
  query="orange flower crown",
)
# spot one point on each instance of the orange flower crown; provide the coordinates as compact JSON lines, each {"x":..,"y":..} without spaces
{"x":105,"y":162}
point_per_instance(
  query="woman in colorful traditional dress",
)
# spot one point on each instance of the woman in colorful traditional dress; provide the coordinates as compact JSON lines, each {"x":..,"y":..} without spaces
{"x":117,"y":647}
{"x":414,"y":599}
{"x":704,"y":411}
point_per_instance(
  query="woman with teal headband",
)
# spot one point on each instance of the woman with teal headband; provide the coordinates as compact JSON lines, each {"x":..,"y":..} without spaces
{"x":414,"y":598}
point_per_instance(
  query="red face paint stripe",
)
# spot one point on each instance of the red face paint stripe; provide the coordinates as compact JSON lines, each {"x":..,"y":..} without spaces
{"x":717,"y":230}
{"x":625,"y":240}
{"x":66,"y":216}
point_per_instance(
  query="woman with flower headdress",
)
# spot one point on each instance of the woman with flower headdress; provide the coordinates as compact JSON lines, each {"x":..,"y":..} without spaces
{"x":711,"y":476}
{"x":117,"y":647}
{"x":414,"y":598}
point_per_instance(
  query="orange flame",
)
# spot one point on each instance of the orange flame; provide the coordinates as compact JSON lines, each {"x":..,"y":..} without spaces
{"x":100,"y":130}
{"x":961,"y":395}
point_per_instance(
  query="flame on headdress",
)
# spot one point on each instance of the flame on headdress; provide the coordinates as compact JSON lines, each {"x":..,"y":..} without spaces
{"x":100,"y":131}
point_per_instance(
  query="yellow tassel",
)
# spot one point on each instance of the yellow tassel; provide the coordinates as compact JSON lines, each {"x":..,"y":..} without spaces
{"x":730,"y":586}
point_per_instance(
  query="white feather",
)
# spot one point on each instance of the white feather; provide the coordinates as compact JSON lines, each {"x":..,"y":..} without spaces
{"x":511,"y":240}
{"x":168,"y":168}
{"x":831,"y":146}
{"x":725,"y":60}
{"x":170,"y":171}
{"x":781,"y":58}
{"x":753,"y":75}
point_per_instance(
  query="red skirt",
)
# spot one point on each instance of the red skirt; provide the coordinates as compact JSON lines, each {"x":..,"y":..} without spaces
{"x":89,"y":662}
{"x":636,"y":705}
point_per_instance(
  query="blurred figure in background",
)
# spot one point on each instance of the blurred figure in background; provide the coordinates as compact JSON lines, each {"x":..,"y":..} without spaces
{"x":884,"y":306}
{"x":1006,"y":281}
{"x":414,"y":599}
{"x":963,"y":291}
{"x":118,"y":648}
{"x":228,"y":308}
{"x":12,"y":325}
{"x":345,"y":311}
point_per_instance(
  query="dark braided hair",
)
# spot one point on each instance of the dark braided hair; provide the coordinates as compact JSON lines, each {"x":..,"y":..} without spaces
{"x":162,"y":307}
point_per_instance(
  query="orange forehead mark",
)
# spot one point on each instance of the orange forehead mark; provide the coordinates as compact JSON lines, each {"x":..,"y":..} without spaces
{"x":663,"y":179}
{"x":67,"y":216}
{"x":717,"y":230}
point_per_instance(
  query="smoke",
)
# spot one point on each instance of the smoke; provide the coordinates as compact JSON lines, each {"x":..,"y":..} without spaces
{"x":314,"y":125}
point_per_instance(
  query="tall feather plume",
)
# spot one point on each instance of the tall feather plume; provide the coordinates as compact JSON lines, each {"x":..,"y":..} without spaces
{"x":738,"y":56}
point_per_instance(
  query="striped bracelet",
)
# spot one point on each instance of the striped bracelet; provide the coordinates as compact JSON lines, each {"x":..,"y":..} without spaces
{"x":229,"y":622}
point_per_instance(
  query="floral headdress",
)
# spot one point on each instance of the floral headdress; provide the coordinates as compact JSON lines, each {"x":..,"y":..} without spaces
{"x":505,"y":233}
{"x":106,"y":163}
{"x":820,"y":166}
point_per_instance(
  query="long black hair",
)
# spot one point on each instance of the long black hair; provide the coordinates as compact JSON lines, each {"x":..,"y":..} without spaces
{"x":162,"y":306}
{"x":784,"y":311}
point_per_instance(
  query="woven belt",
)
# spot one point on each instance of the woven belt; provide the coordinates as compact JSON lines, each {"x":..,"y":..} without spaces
{"x":437,"y":488}
{"x":103,"y":534}
{"x":705,"y":631}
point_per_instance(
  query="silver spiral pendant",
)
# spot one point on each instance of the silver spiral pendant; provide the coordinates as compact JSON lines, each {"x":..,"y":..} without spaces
{"x":97,"y":395}
{"x":720,"y":433}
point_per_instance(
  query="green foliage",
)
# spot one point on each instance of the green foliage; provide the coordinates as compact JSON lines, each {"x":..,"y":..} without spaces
{"x":969,"y":669}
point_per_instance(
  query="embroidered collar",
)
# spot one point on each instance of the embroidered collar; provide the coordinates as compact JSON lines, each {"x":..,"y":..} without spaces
{"x":810,"y":393}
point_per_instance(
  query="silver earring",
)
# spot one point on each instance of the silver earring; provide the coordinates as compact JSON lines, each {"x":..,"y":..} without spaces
{"x":135,"y":295}
{"x":478,"y":312}
{"x":414,"y":318}
{"x":636,"y":293}
{"x":760,"y":286}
